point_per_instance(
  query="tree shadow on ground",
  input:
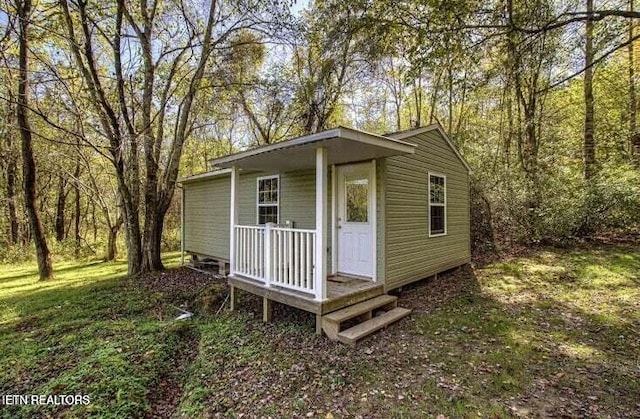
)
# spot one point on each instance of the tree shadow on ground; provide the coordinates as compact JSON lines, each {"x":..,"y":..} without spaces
{"x":464,"y":350}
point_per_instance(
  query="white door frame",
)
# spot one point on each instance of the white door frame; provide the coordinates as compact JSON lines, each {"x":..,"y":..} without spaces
{"x":373,"y":217}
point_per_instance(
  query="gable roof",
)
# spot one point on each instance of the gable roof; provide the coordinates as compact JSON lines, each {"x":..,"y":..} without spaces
{"x":400,"y":135}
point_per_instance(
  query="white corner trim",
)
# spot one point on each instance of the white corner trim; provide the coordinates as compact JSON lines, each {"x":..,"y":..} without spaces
{"x":374,"y":221}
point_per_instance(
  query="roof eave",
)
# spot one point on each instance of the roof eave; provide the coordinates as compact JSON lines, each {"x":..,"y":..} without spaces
{"x":204,"y":176}
{"x":340,"y":132}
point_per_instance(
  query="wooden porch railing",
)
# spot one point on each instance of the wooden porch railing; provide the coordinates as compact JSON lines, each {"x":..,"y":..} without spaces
{"x":277,"y":256}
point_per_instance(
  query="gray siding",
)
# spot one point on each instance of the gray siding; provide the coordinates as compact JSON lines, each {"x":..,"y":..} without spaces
{"x":410,"y":253}
{"x":206,"y":217}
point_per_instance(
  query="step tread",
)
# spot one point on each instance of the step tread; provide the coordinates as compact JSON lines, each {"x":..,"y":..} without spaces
{"x":363,"y":329}
{"x":359,"y":308}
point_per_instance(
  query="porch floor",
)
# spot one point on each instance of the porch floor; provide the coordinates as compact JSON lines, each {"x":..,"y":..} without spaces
{"x":341,"y":292}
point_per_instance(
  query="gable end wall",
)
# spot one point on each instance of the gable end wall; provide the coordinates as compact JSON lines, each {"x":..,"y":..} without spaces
{"x":411,"y":254}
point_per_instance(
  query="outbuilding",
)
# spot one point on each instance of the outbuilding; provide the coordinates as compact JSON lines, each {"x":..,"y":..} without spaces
{"x":330,"y":222}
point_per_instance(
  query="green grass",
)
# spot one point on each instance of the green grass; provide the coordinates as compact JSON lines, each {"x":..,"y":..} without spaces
{"x":85,"y":332}
{"x":555,"y":332}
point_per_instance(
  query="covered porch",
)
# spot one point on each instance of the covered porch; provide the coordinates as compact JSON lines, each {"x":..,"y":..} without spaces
{"x":299,"y":266}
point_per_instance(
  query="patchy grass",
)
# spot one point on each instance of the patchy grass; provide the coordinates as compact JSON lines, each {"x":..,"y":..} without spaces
{"x":552,"y":333}
{"x":88,"y":331}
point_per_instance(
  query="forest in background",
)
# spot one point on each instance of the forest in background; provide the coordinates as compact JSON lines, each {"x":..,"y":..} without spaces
{"x":105,"y":105}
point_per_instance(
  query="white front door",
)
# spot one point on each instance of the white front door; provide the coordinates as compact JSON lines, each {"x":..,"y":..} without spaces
{"x":355,"y":207}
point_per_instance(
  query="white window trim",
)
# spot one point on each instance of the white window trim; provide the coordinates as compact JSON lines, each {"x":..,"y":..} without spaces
{"x":258,"y":204}
{"x":429,"y":174}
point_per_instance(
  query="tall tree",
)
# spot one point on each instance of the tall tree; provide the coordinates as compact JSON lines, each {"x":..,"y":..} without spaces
{"x":332,"y":54}
{"x":159,"y":57}
{"x":45,"y":267}
{"x":10,"y":163}
{"x":60,"y":208}
{"x":589,"y":148}
{"x":634,"y":135}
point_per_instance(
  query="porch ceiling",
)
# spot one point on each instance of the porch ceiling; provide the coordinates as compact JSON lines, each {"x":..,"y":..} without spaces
{"x":343,"y":145}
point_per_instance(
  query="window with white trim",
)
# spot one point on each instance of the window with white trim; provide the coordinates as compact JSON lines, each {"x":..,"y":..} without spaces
{"x":268,"y":199}
{"x":437,"y":205}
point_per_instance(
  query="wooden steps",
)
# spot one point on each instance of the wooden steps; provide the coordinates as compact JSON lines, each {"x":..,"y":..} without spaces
{"x":365,"y":312}
{"x":357,"y":332}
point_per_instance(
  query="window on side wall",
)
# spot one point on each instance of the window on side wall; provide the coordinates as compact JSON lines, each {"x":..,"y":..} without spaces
{"x":437,"y":205}
{"x":268,"y":199}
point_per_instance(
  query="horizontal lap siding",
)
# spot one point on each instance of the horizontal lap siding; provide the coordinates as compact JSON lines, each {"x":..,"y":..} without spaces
{"x":297,"y":198}
{"x":206,"y":217}
{"x":207,"y":206}
{"x":410,"y":253}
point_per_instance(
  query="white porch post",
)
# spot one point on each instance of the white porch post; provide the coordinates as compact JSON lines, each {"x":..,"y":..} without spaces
{"x":267,"y":257}
{"x":334,"y":220}
{"x":233,"y":219}
{"x":321,"y":224}
{"x":374,"y":220}
{"x":182,"y":226}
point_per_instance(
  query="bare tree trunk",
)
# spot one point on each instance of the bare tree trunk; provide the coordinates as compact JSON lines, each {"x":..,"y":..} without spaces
{"x":112,"y":249}
{"x":450,"y":86}
{"x":60,"y":208}
{"x":434,"y":98}
{"x":398,"y":107}
{"x":14,"y":226}
{"x":634,"y":135}
{"x":589,"y":153}
{"x":76,"y":213}
{"x":417,"y":99}
{"x":126,"y":169}
{"x":11,"y":170}
{"x":45,"y":267}
{"x":151,"y":256}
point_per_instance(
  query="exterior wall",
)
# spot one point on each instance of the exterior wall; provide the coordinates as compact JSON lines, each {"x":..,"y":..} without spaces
{"x":297,"y":198}
{"x":410,"y":253}
{"x":206,"y":217}
{"x":297,"y":201}
{"x":207,"y":208}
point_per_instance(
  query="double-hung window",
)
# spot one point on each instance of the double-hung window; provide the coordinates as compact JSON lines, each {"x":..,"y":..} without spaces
{"x":268,"y":199}
{"x":437,"y":205}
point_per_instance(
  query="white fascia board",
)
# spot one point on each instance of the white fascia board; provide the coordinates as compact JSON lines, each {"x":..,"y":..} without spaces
{"x":204,"y":176}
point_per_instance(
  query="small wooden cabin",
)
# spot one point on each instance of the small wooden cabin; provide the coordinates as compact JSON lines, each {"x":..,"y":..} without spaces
{"x":331,"y":221}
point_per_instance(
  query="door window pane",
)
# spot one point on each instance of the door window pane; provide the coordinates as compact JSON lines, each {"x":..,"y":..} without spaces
{"x":357,"y":200}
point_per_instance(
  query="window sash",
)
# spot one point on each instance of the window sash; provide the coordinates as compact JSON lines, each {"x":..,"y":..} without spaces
{"x":268,"y":199}
{"x":437,"y":199}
